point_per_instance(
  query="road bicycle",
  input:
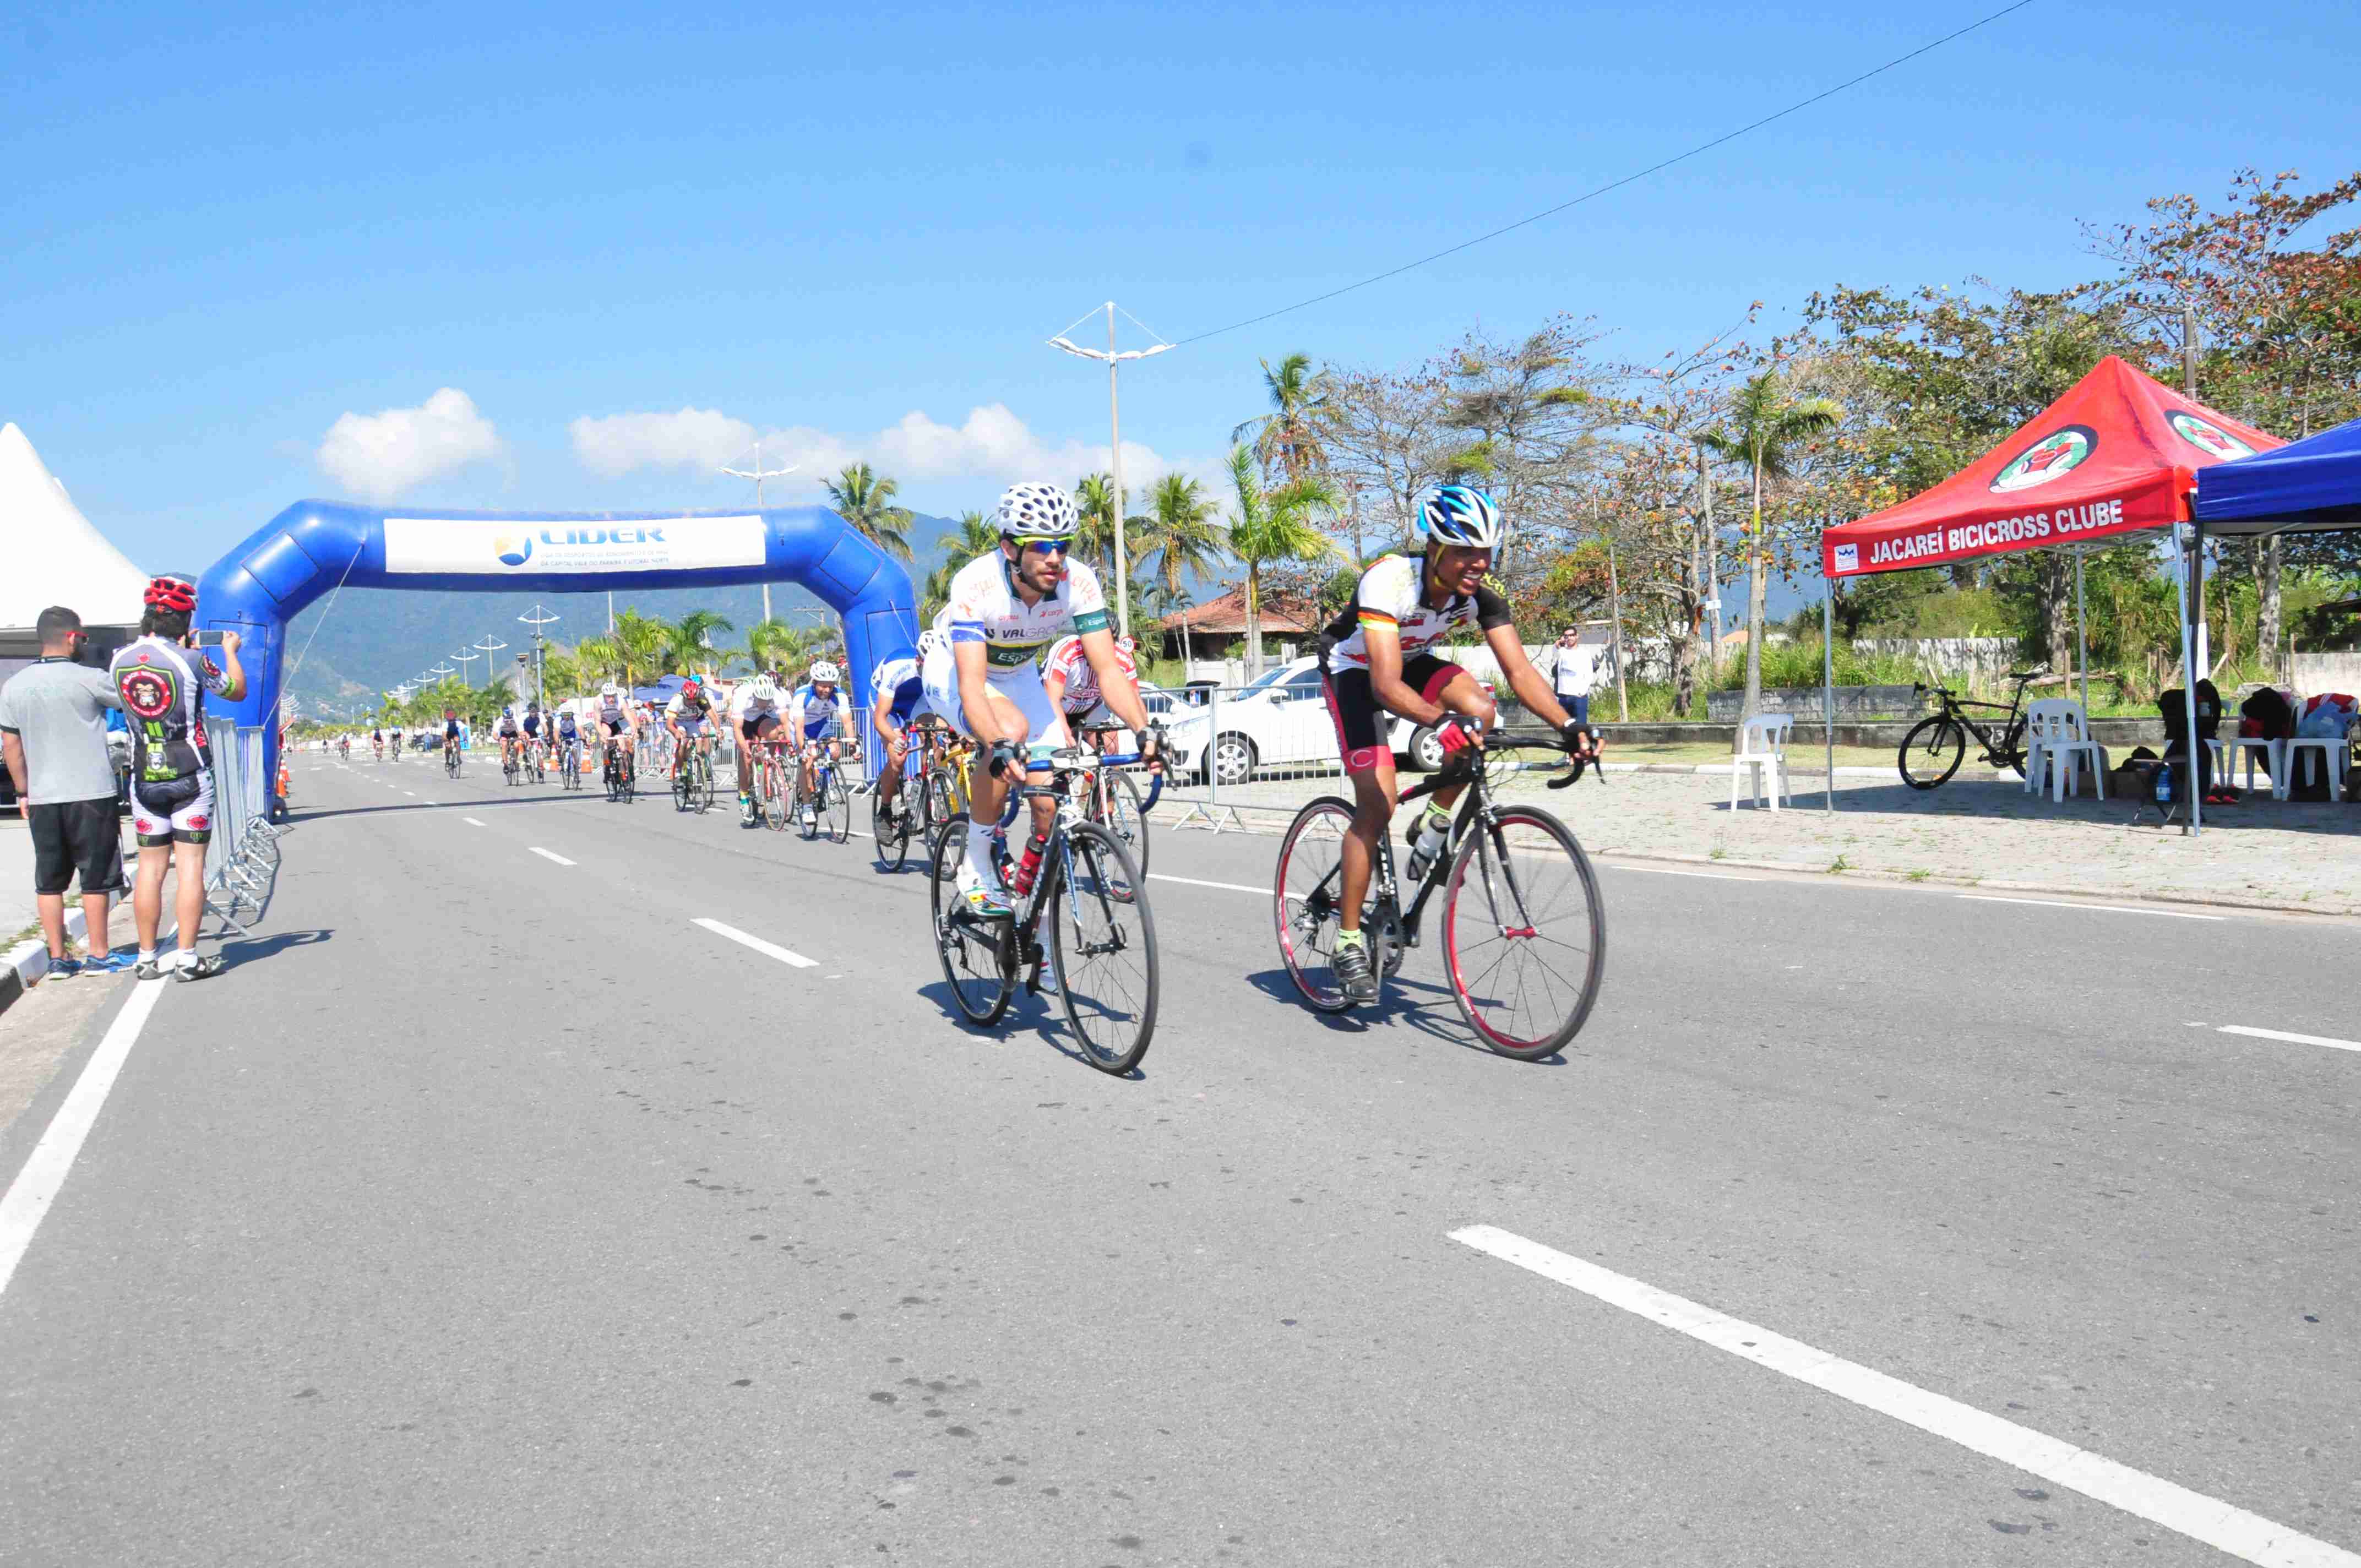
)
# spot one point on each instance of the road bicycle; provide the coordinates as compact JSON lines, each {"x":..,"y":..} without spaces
{"x":451,"y":759}
{"x":1101,"y":934}
{"x":895,"y":823}
{"x":1932,"y":752}
{"x":692,"y":782}
{"x":1524,"y":933}
{"x":945,"y":796}
{"x":774,"y":785}
{"x":511,"y":771}
{"x":570,"y":764}
{"x":828,"y":801}
{"x":621,"y":777}
{"x":533,"y":770}
{"x":1115,"y":802}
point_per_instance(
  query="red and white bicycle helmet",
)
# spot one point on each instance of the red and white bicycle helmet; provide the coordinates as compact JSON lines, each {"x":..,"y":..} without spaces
{"x":171,"y":593}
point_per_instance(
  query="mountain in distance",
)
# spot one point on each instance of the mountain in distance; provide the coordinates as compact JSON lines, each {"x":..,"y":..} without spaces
{"x":349,"y":648}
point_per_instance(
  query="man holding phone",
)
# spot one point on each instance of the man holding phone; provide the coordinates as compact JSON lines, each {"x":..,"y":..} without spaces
{"x":163,"y":678}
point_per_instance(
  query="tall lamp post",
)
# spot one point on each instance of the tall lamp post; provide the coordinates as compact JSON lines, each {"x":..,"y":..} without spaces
{"x":758,"y":474}
{"x":1115,"y":437}
{"x":466,"y":659}
{"x":538,"y":618}
{"x":488,"y":646}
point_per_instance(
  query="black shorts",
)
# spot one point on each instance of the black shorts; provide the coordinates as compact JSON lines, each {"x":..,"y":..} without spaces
{"x":76,"y":837}
{"x":614,"y":727}
{"x":750,"y":729}
{"x":1363,"y":725}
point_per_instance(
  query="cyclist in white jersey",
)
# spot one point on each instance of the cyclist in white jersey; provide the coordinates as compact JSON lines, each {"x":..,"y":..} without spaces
{"x":895,"y":690}
{"x":1005,"y":607}
{"x":819,"y":713}
{"x":757,"y":712}
{"x":686,"y":717}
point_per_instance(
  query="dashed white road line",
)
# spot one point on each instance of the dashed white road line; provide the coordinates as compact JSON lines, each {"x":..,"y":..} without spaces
{"x":2160,"y":1502}
{"x":2292,"y":1039}
{"x":551,"y":855}
{"x":746,"y":938}
{"x":1194,"y":881}
{"x":471,"y":822}
{"x":2110,"y":908}
{"x":44,"y":1175}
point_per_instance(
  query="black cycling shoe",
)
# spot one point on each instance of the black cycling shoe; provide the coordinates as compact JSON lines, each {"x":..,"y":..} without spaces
{"x":1353,"y":972}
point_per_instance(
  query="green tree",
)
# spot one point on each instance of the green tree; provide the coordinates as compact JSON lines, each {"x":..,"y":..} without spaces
{"x":1766,"y":427}
{"x":1270,"y":526}
{"x":1094,"y":508}
{"x":1290,"y":439}
{"x":865,"y":499}
{"x":977,"y":534}
{"x":689,"y":641}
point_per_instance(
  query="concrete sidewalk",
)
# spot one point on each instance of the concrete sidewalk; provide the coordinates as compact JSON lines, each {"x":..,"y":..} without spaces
{"x":2264,"y":853}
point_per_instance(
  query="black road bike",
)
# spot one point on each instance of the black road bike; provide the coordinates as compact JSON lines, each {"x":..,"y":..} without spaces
{"x":692,"y":782}
{"x":623,"y":774}
{"x":1101,"y":938}
{"x":1936,"y":745}
{"x":1524,"y":932}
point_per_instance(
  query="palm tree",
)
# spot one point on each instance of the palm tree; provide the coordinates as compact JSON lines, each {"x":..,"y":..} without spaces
{"x":977,"y":535}
{"x":1765,"y":426}
{"x":1094,"y":532}
{"x":865,"y":501}
{"x":1166,"y":599}
{"x":772,"y":645}
{"x":1287,"y":438}
{"x":1181,"y":534}
{"x":637,"y":647}
{"x":689,"y":643}
{"x":1270,"y":526}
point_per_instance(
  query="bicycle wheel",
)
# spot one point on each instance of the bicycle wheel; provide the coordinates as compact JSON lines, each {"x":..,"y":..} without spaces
{"x":1305,"y":899}
{"x":630,"y":781}
{"x":705,"y":784}
{"x":1931,"y":752}
{"x":683,"y":787}
{"x":891,"y":829}
{"x":1124,"y":819}
{"x":1524,"y":933}
{"x":1103,"y":940}
{"x":979,"y":956}
{"x":774,"y":794}
{"x":835,"y":806}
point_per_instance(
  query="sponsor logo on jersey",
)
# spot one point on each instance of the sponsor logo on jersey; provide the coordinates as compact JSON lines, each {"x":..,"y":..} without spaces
{"x":2206,"y":436}
{"x":2053,"y":457}
{"x":148,"y":693}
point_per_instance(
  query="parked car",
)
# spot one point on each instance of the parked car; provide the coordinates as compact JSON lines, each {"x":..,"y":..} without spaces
{"x":1281,"y":722}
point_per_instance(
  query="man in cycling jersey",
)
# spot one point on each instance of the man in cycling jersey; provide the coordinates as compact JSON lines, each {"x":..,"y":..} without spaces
{"x":895,"y":690}
{"x":1073,"y":686}
{"x":506,"y":729}
{"x":819,"y":713}
{"x":689,"y":717}
{"x":376,"y":745}
{"x":395,"y":737}
{"x":614,"y":715}
{"x":1375,"y":659}
{"x":531,"y":726}
{"x":450,"y":734}
{"x":162,"y":677}
{"x":569,"y":740}
{"x":757,"y":714}
{"x":1005,"y":607}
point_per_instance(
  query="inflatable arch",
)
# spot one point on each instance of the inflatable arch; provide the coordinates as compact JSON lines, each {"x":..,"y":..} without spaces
{"x":313,"y":546}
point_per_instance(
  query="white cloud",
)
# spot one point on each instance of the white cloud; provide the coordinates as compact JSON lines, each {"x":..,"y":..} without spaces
{"x":991,"y":444}
{"x":692,"y":438}
{"x":378,"y":456}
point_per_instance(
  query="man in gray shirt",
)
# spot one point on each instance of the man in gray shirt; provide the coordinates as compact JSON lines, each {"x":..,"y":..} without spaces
{"x":53,"y":736}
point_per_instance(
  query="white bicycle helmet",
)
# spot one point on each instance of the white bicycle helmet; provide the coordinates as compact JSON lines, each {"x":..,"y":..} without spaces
{"x":1463,"y":515}
{"x":611,"y":690}
{"x":824,"y":673}
{"x":766,"y":689}
{"x":1038,"y":512}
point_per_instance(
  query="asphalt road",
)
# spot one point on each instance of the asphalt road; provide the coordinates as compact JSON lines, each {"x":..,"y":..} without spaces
{"x":491,"y":1209}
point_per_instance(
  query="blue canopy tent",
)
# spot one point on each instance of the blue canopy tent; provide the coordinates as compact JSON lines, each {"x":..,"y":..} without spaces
{"x":2312,"y":487}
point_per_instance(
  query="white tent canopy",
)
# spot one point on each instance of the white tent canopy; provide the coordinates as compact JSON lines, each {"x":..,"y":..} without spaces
{"x":54,"y":555}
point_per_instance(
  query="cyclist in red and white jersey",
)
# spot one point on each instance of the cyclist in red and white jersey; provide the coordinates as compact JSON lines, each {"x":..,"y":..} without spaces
{"x":1073,"y":686}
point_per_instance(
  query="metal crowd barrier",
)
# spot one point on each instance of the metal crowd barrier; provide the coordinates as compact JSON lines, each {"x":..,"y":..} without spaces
{"x":243,"y":855}
{"x":1244,"y":746}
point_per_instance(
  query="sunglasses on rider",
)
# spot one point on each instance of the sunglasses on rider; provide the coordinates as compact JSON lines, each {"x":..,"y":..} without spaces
{"x":1046,"y":546}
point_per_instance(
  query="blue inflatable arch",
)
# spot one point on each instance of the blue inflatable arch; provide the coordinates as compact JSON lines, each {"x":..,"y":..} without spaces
{"x":313,"y":546}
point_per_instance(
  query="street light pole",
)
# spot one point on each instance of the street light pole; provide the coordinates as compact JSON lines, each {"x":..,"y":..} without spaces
{"x":466,"y":659}
{"x":758,"y":474}
{"x":489,"y":646}
{"x":538,"y":618}
{"x":1115,"y":435}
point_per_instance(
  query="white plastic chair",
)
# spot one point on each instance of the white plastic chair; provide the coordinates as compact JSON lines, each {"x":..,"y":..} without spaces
{"x":2057,"y":737}
{"x":2333,"y":752}
{"x":1762,"y":748}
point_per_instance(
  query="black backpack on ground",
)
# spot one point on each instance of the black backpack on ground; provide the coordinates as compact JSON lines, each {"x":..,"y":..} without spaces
{"x":2174,"y":705}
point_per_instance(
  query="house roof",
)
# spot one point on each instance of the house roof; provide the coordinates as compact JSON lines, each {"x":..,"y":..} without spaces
{"x":1280,"y":613}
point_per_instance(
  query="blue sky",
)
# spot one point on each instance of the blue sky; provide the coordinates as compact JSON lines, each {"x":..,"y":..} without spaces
{"x":229,"y":228}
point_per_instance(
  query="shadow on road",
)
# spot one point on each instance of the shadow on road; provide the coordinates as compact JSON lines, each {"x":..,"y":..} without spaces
{"x":240,"y":951}
{"x":1417,"y":1004}
{"x":1043,"y":1014}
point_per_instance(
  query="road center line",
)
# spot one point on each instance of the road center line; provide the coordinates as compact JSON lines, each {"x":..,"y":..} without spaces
{"x":551,"y":855}
{"x":2160,"y":1502}
{"x":2292,"y":1039}
{"x":1192,"y":882}
{"x":2110,"y":908}
{"x":471,"y":822}
{"x":36,"y":1186}
{"x":749,"y":940}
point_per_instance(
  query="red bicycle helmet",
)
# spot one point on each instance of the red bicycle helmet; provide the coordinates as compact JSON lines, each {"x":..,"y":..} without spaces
{"x":171,"y":593}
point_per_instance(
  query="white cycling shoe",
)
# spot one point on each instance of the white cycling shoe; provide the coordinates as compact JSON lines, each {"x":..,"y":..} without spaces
{"x":984,"y":896}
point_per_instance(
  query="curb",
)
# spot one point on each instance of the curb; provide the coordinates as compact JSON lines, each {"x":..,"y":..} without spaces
{"x":29,"y":962}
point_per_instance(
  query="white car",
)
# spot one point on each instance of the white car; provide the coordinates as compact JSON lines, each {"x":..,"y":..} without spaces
{"x":1280,"y":723}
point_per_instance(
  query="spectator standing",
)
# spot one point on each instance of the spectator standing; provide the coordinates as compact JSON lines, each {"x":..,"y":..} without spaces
{"x":1576,"y":674}
{"x":163,"y":678}
{"x":54,"y":731}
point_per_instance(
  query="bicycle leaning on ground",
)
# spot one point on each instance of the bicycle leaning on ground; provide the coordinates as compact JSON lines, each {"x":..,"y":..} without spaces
{"x":1101,"y":937}
{"x":1524,"y":933}
{"x":1932,"y":752}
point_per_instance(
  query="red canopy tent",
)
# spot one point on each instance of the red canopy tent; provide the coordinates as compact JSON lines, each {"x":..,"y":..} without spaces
{"x":2117,"y":455}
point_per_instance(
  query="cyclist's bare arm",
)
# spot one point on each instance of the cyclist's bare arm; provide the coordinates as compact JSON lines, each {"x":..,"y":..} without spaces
{"x":1532,"y":690}
{"x":1385,"y":684}
{"x":975,"y":693}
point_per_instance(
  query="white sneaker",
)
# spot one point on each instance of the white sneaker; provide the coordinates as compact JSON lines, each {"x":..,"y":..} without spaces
{"x":984,"y":896}
{"x":811,"y":817}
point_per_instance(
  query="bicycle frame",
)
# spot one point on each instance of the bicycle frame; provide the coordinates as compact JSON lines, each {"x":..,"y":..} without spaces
{"x":1071,"y":809}
{"x":1955,"y":708}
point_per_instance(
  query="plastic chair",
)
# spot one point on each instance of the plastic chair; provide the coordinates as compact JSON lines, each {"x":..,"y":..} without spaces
{"x":2057,"y":737}
{"x":2333,"y":748}
{"x":1762,"y":748}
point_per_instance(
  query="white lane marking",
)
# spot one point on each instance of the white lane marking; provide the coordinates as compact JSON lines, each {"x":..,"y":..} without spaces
{"x":1193,"y":881}
{"x":2160,"y":1502}
{"x":411,"y":792}
{"x":747,"y":939}
{"x":1667,"y":870}
{"x":2110,"y":908}
{"x":471,"y":822}
{"x":2292,"y":1039}
{"x":44,"y":1175}
{"x":551,"y":855}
